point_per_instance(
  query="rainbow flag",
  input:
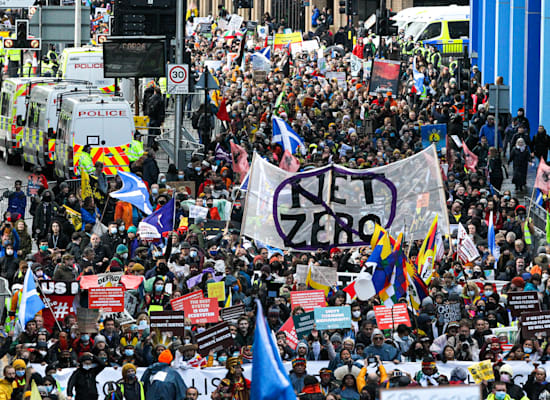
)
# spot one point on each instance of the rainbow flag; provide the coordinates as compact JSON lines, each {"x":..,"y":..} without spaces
{"x":397,"y":288}
{"x":383,"y":257}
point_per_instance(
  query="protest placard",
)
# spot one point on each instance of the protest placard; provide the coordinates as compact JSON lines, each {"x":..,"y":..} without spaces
{"x":131,"y":302}
{"x":520,"y":302}
{"x":290,"y":332}
{"x":100,"y":280}
{"x":198,"y":212}
{"x":201,"y":311}
{"x":466,"y":392}
{"x":216,"y":338}
{"x":177,"y":304}
{"x":122,"y":318}
{"x":109,"y":299}
{"x":87,"y":320}
{"x":448,"y":313}
{"x":168,"y":321}
{"x":332,"y":318}
{"x":232,"y":313}
{"x":59,"y":288}
{"x":535,"y":322}
{"x":308,"y":299}
{"x":388,"y":317}
{"x":303,"y":324}
{"x":482,"y":371}
{"x":216,"y":290}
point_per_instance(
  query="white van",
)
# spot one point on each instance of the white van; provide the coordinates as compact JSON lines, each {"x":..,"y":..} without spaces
{"x":38,"y":141}
{"x":101,"y":121}
{"x":85,"y":63}
{"x":441,"y":26}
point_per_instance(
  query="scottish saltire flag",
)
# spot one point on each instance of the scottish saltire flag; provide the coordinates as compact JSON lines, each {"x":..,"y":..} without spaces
{"x":270,"y":381}
{"x":244,"y":184}
{"x":286,"y":137}
{"x":434,"y":133}
{"x":162,"y":220}
{"x":493,"y":248}
{"x":266,"y":52}
{"x":134,"y":191}
{"x":31,"y":302}
{"x":538,"y":197}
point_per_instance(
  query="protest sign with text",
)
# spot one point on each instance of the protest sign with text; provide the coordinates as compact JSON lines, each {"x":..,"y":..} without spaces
{"x":389,"y":317}
{"x":177,"y":304}
{"x":201,"y":311}
{"x":520,"y":302}
{"x":308,"y":299}
{"x":303,"y":324}
{"x":168,"y":321}
{"x":214,"y":339}
{"x":327,"y":318}
{"x":109,"y":299}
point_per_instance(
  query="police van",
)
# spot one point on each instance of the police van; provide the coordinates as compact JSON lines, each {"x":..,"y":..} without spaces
{"x":85,"y":63}
{"x":13,"y":112}
{"x":38,"y":140}
{"x":448,"y":26}
{"x":104,"y":122}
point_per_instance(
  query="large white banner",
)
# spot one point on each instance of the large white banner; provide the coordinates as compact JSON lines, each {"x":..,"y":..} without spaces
{"x":207,"y":379}
{"x":337,"y":206}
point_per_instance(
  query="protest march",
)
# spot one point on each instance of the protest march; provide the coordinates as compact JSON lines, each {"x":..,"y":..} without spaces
{"x":357,"y":227}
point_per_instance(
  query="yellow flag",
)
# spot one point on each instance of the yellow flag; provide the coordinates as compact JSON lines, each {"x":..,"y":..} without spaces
{"x":316,"y":285}
{"x":75,"y":218}
{"x":86,"y":189}
{"x":35,"y":394}
{"x":229,"y":301}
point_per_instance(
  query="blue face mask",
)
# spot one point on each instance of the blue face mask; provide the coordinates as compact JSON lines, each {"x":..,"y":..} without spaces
{"x":159,"y":288}
{"x":488,"y":293}
{"x":236,"y":288}
{"x":163,"y":181}
{"x":154,"y":191}
{"x":193,"y":254}
{"x":222,"y":359}
{"x":49,"y":388}
{"x":213,"y":252}
{"x":129,"y":352}
{"x":500,"y":395}
{"x":527,"y":350}
{"x":85,"y":338}
{"x":20,"y":373}
{"x":180,"y":176}
{"x":198,"y":169}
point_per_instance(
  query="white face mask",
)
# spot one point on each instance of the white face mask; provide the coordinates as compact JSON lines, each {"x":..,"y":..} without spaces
{"x":356,"y":314}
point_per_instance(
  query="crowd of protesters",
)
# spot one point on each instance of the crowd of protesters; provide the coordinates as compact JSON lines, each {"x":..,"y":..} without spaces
{"x":376,"y":130}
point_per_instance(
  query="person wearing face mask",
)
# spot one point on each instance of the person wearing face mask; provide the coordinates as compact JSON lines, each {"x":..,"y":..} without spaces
{"x":44,"y":214}
{"x":402,"y":337}
{"x":507,"y":376}
{"x":131,"y":355}
{"x":499,"y":392}
{"x":157,"y":299}
{"x":83,"y":344}
{"x":111,"y":239}
{"x":8,"y":263}
{"x":20,"y":367}
{"x":119,"y":261}
{"x":82,"y":383}
{"x":129,"y":387}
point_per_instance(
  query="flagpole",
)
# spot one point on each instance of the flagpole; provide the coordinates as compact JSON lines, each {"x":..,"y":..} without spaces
{"x":47,"y":302}
{"x":530,"y":203}
{"x":243,"y":223}
{"x":104,"y":208}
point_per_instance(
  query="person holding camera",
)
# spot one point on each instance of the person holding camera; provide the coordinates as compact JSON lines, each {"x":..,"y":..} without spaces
{"x":466,"y":348}
{"x":385,"y":351}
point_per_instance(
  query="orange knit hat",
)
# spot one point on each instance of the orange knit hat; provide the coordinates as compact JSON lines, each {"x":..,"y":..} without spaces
{"x":166,"y":357}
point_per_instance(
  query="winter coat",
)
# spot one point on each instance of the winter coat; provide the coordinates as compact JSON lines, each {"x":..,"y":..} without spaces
{"x":170,"y":387}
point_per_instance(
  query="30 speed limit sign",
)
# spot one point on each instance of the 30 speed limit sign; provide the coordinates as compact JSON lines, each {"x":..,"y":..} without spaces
{"x":178,"y":79}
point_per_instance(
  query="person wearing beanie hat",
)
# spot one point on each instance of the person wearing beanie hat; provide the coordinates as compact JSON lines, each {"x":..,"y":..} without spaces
{"x":83,"y":379}
{"x":385,"y":351}
{"x":458,"y":376}
{"x":119,"y":260}
{"x":302,"y":349}
{"x":298,"y":374}
{"x":130,"y":387}
{"x":507,"y":376}
{"x":132,"y":229}
{"x":428,"y":375}
{"x":170,"y":387}
{"x":517,"y":284}
{"x":311,"y":390}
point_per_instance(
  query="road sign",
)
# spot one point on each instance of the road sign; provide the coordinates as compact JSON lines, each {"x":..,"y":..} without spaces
{"x":22,"y":40}
{"x":16,"y":3}
{"x":178,"y":79}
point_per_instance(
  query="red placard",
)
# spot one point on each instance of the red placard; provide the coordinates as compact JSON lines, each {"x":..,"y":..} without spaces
{"x":109,"y":299}
{"x":385,"y":318}
{"x":290,"y":332}
{"x":177,"y":304}
{"x":61,"y":306}
{"x":201,"y":311}
{"x":308,"y":299}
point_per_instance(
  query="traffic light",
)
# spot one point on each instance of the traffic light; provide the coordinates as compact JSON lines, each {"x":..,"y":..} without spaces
{"x":347,"y":7}
{"x":245,"y":4}
{"x":21,"y":39}
{"x":384,"y":25}
{"x":144,"y":17}
{"x":342,"y":4}
{"x":133,"y":24}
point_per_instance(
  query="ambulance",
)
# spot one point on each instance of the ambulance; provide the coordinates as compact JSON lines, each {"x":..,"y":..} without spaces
{"x":38,"y":141}
{"x":104,"y":122}
{"x":13,"y":112}
{"x":85,"y":63}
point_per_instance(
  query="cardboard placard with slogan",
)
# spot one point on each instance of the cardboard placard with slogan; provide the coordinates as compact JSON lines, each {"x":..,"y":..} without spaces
{"x":390,"y":317}
{"x":201,"y":311}
{"x":334,"y":206}
{"x":308,"y":299}
{"x":482,"y":371}
{"x":327,"y":318}
{"x":109,"y":299}
{"x":216,"y":290}
{"x":534,"y":323}
{"x":214,"y":339}
{"x":232,"y":314}
{"x":87,"y":320}
{"x":303,"y":324}
{"x":520,"y":302}
{"x":177,"y":304}
{"x":168,"y":321}
{"x":448,"y":313}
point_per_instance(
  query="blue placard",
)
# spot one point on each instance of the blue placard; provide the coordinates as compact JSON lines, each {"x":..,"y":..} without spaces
{"x":436,"y":133}
{"x":332,"y":318}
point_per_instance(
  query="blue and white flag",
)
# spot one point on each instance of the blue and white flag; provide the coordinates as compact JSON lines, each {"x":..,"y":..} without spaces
{"x":134,"y":191}
{"x":270,"y":381}
{"x":244,"y":184}
{"x":162,"y":220}
{"x":31,"y":302}
{"x":418,"y":78}
{"x":539,"y":199}
{"x":266,"y":52}
{"x":493,"y":248}
{"x":286,"y":137}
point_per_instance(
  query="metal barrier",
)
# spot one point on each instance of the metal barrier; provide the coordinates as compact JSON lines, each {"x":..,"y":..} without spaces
{"x":538,"y":214}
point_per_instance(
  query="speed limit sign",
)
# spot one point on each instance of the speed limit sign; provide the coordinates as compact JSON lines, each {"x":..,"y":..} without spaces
{"x":178,"y":79}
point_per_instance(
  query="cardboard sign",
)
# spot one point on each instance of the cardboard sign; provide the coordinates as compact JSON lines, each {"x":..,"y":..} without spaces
{"x":59,"y":307}
{"x":216,"y":338}
{"x":122,"y":318}
{"x":290,"y":332}
{"x":482,"y":371}
{"x":308,"y":299}
{"x":448,"y":313}
{"x":177,"y":304}
{"x":324,"y":275}
{"x":216,"y":290}
{"x":303,"y":324}
{"x":168,"y":321}
{"x":201,"y":311}
{"x":327,"y":318}
{"x":535,"y":322}
{"x":388,"y":317}
{"x":231,"y":314}
{"x":109,"y":299}
{"x":131,"y":302}
{"x":59,"y":288}
{"x":520,"y":302}
{"x":87,"y":319}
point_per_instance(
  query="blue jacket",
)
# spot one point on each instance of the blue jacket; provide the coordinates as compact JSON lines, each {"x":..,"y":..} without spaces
{"x":87,"y":218}
{"x":161,"y":382}
{"x":386,"y":352}
{"x":489,"y":133}
{"x":17,"y":203}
